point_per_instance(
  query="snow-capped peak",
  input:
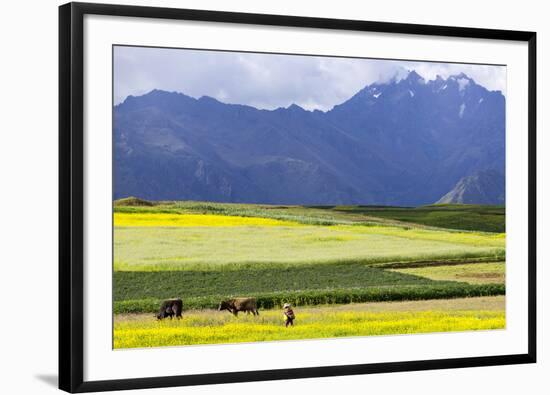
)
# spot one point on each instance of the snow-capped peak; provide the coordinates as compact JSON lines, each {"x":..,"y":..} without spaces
{"x":462,"y":83}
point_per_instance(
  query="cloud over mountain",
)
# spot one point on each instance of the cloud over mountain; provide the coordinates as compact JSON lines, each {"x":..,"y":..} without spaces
{"x":269,"y":81}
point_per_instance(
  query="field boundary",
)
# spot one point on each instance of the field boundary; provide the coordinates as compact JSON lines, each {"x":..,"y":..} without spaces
{"x":327,"y":297}
{"x":447,"y":262}
{"x":376,"y":262}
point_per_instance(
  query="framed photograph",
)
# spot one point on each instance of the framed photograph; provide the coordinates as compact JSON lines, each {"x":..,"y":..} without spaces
{"x":249,"y":197}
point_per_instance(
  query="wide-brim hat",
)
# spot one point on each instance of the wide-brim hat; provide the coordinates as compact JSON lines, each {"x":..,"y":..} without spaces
{"x":286,"y":305}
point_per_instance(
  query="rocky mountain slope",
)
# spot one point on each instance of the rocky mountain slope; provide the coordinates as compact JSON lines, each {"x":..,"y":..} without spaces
{"x":405,"y":142}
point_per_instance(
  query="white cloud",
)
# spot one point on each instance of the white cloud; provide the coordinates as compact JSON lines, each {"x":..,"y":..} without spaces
{"x":491,"y":77}
{"x":271,"y":81}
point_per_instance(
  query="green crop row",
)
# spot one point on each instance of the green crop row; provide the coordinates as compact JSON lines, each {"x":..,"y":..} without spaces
{"x":328,"y":297}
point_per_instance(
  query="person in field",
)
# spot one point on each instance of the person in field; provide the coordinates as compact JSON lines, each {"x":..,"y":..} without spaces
{"x":288,"y":314}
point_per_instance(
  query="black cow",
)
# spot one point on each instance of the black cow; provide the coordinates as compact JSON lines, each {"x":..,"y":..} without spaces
{"x":170,"y":308}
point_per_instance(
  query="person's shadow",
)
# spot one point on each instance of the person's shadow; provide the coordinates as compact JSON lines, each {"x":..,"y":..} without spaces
{"x":50,"y":379}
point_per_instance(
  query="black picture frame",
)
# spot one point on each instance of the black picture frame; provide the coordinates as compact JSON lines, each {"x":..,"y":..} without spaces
{"x":71,"y":204}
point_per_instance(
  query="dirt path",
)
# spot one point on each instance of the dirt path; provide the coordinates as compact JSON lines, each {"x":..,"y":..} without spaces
{"x":488,"y":303}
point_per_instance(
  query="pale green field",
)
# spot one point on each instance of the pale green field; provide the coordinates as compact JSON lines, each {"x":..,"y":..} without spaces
{"x":211,"y":327}
{"x":204,"y":247}
{"x":473,"y":273}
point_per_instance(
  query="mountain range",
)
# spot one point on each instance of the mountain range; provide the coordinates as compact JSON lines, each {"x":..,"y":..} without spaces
{"x":404,"y":142}
{"x":483,"y":187}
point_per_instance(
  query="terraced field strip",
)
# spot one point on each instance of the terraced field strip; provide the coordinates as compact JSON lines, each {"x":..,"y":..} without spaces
{"x":268,"y":300}
{"x":473,"y":273}
{"x":201,"y":242}
{"x":447,"y":216}
{"x":211,"y":327}
{"x":194,"y":220}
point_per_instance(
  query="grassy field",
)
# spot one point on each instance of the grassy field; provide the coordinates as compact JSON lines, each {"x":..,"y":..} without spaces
{"x":210,"y":327}
{"x":209,"y":241}
{"x":309,"y":256}
{"x":479,"y":273}
{"x":447,"y":216}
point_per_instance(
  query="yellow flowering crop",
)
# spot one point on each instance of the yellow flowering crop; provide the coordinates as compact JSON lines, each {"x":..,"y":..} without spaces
{"x":216,"y":327}
{"x":193,"y":220}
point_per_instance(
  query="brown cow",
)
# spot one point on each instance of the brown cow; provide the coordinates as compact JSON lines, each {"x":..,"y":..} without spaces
{"x":239,"y":304}
{"x":169,"y":308}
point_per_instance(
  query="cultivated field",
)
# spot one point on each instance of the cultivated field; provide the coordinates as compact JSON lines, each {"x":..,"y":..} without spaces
{"x":209,"y":327}
{"x":334,"y":257}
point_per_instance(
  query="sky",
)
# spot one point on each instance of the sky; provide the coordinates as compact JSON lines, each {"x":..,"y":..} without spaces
{"x":269,"y":81}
